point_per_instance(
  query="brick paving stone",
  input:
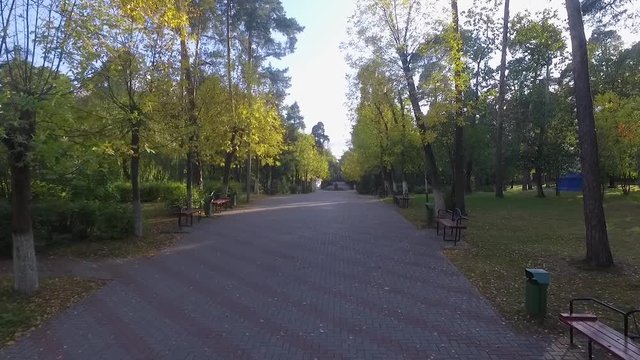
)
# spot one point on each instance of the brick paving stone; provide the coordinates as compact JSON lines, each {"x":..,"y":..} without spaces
{"x":330,"y":275}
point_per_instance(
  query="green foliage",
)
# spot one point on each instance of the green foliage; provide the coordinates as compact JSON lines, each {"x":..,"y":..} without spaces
{"x":368,"y":184}
{"x":58,"y":221}
{"x":419,"y":190}
{"x":618,"y":126}
{"x":384,"y":138}
{"x":171,"y":193}
{"x":311,"y":164}
{"x":45,"y":191}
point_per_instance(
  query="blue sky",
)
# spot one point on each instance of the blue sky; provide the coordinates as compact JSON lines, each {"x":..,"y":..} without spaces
{"x":318,"y":69}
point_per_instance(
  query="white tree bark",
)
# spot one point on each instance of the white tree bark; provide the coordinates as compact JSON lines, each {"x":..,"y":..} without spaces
{"x":25,"y":268}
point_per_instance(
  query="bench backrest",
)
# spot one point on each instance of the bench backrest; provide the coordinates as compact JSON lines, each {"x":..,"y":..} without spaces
{"x":630,"y":326}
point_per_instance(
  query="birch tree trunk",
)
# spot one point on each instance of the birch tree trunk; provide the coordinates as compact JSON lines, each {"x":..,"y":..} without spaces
{"x":25,"y":267}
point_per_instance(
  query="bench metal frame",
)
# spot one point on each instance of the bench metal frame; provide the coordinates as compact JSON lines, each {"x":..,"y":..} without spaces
{"x":188,"y":217}
{"x":218,"y":204}
{"x":456,"y":217}
{"x":627,"y":315}
{"x":401,"y":200}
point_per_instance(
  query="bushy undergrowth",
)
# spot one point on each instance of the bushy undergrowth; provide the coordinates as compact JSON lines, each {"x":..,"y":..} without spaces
{"x":58,"y":221}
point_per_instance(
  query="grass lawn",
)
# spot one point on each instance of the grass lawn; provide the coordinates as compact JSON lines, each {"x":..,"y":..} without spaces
{"x":522,"y":231}
{"x":19,"y":314}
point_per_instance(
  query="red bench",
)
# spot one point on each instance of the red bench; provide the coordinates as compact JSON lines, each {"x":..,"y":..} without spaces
{"x":618,"y":344}
{"x":218,"y":204}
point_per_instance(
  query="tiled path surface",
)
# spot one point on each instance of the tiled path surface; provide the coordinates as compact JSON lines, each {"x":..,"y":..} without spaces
{"x":330,"y":275}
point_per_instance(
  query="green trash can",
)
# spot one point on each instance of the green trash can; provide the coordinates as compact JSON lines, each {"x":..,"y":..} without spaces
{"x":536,"y":291}
{"x":206,"y":205}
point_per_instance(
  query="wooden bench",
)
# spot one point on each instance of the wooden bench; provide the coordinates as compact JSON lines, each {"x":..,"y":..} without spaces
{"x":218,"y":204}
{"x":620,"y":345}
{"x":401,"y":200}
{"x":187,"y":214}
{"x":451,"y":219}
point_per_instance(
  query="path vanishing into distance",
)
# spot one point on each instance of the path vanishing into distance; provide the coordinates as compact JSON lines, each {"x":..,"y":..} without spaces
{"x":328,"y":275}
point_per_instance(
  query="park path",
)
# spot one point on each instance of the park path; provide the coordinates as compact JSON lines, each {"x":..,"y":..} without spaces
{"x":329,"y":275}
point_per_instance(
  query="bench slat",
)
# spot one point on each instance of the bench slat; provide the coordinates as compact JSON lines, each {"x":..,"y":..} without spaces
{"x":564,"y":317}
{"x":450,"y":223}
{"x":607,"y":337}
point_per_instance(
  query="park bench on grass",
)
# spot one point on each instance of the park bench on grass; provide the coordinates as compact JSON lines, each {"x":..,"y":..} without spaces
{"x":452,"y":220}
{"x":618,"y":344}
{"x":401,"y":200}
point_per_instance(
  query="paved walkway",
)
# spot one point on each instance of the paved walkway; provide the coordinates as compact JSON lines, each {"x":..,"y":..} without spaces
{"x":330,"y":275}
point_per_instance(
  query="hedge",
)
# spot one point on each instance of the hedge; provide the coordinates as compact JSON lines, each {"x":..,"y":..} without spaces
{"x":59,"y":222}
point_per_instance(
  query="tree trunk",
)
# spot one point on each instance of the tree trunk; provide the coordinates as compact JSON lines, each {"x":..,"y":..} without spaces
{"x":558,"y":183}
{"x":501,"y":95}
{"x":468,"y":176}
{"x":125,"y":169}
{"x":526,"y":179}
{"x":405,"y":186}
{"x":198,"y":171}
{"x":430,"y":160}
{"x":392,"y":179}
{"x":256,"y":186}
{"x":190,"y":109}
{"x":189,"y":180}
{"x":458,"y":69}
{"x":229,"y":156}
{"x":249,"y":176}
{"x":597,"y":241}
{"x":459,"y":177}
{"x":228,"y":161}
{"x":135,"y":180}
{"x":25,"y":269}
{"x":539,"y":183}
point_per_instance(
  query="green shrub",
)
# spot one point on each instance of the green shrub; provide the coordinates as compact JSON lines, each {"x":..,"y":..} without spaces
{"x":418,"y":190}
{"x":212,"y":187}
{"x":57,"y":222}
{"x":369,"y":184}
{"x":122,"y":191}
{"x":45,"y":191}
{"x":168,"y":192}
{"x":176,"y":197}
{"x":279,"y":187}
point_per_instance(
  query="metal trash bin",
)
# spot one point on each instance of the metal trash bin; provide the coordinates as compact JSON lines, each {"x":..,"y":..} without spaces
{"x":206,"y":205}
{"x":536,"y":291}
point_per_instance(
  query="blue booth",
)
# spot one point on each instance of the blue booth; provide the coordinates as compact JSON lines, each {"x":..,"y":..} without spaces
{"x":571,"y":182}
